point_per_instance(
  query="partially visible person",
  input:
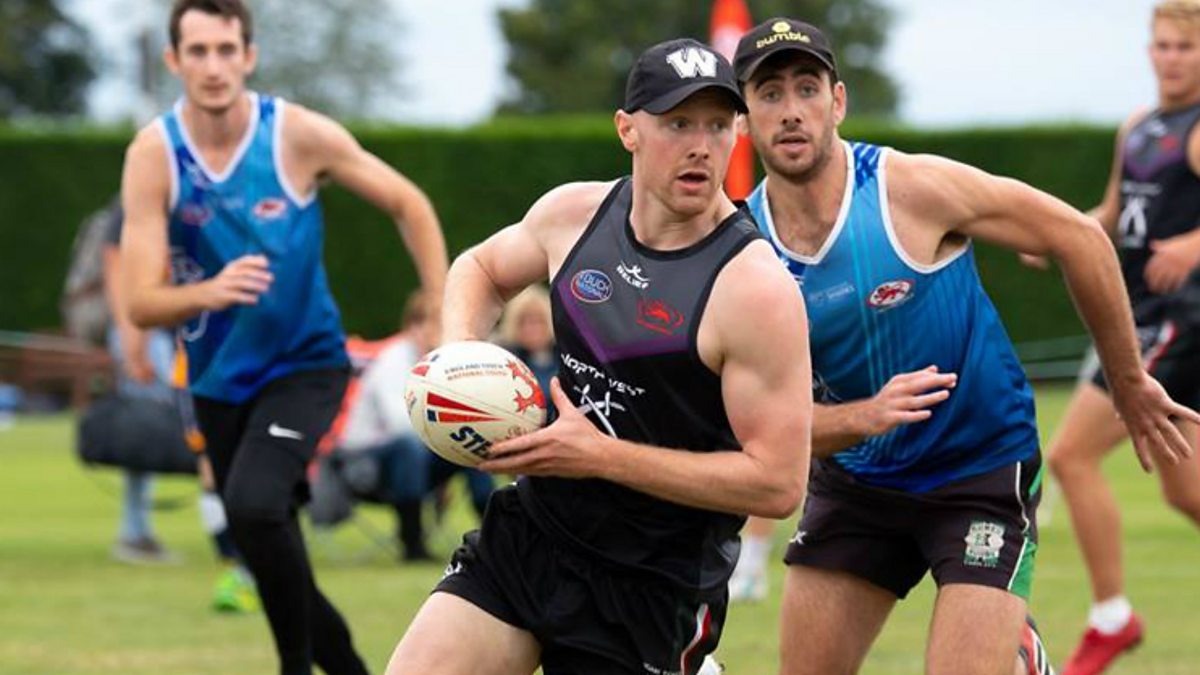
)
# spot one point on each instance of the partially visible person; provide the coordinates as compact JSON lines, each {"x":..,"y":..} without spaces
{"x":879,"y":242}
{"x":749,"y":582}
{"x":527,"y":331}
{"x":378,"y":428}
{"x":143,"y":359}
{"x":224,"y":186}
{"x":1151,"y":208}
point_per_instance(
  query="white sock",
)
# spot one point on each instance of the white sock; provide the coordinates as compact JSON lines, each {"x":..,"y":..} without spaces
{"x":1110,"y":616}
{"x":212,"y":513}
{"x":754,"y":552}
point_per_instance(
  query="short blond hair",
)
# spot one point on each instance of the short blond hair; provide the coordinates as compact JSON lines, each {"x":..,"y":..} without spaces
{"x":532,"y":298}
{"x":1184,"y":11}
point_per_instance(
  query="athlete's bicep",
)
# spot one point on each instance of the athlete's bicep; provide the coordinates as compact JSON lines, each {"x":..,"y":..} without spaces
{"x":145,"y":193}
{"x":512,"y":258}
{"x":766,"y":377}
{"x":1002,"y":211}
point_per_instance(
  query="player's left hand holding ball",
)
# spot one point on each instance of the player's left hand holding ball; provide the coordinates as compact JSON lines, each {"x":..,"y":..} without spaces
{"x":571,"y":447}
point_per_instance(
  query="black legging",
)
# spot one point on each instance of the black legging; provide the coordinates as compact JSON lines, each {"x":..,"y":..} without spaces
{"x":260,"y":451}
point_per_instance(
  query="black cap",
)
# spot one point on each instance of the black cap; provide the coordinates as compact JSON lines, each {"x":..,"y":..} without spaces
{"x":776,"y":35}
{"x":671,"y":71}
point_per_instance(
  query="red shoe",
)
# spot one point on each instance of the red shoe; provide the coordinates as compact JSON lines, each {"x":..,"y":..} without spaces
{"x":1097,"y":651}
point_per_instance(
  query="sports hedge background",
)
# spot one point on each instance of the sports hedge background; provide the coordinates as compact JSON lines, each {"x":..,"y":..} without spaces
{"x":483,"y":178}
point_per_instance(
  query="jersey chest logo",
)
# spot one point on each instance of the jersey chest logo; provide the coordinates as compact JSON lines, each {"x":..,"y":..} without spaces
{"x":890,"y":294}
{"x":591,"y":286}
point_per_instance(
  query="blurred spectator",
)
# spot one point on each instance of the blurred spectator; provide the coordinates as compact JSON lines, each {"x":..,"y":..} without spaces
{"x":526,"y":331}
{"x":380,"y":455}
{"x":144,"y":371}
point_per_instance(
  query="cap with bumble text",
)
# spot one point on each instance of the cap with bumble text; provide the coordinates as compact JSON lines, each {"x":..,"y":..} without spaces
{"x":777,"y":35}
{"x":669,"y":72}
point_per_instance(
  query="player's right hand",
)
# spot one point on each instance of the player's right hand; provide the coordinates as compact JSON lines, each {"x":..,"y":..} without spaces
{"x":907,"y":398}
{"x":1150,"y":414}
{"x":240,"y":282}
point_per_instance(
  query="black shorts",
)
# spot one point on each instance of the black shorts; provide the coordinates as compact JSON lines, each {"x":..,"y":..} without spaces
{"x":1170,"y":353}
{"x":260,"y":449}
{"x":589,"y":617}
{"x":980,"y":530}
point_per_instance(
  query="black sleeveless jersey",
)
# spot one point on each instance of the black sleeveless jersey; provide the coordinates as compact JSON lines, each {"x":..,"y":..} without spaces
{"x":1160,"y":198}
{"x":625,"y":320}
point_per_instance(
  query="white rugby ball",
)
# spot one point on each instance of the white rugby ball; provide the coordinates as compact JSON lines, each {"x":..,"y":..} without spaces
{"x":465,"y":396}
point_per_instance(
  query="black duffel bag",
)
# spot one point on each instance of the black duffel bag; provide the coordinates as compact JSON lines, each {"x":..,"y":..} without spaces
{"x":142,"y":434}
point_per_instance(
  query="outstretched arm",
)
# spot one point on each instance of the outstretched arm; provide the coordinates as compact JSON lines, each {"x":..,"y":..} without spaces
{"x":961,"y":199}
{"x":331,"y":150}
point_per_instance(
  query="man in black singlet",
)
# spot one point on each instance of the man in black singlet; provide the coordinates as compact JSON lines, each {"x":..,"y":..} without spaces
{"x":1152,"y":208}
{"x":684,"y":395}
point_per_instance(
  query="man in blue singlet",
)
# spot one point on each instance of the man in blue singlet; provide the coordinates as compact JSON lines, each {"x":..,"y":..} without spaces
{"x":879,"y":242}
{"x":683,"y":396}
{"x":224,"y":188}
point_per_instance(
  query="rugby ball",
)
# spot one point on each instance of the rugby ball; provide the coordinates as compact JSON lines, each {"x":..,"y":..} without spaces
{"x":464,"y":397}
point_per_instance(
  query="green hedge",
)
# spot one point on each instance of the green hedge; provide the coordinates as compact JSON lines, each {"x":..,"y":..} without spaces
{"x":481,"y":179}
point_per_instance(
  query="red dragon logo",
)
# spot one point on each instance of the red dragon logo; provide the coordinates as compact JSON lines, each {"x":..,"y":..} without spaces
{"x":536,"y":397}
{"x":890,"y":294}
{"x":658,"y":316}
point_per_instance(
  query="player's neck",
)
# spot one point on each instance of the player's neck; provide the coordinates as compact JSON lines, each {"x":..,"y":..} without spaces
{"x":218,"y":130}
{"x":1171,"y":103}
{"x":658,"y":227}
{"x":805,"y":211}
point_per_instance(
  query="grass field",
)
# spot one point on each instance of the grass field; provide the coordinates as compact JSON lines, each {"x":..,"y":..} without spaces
{"x":66,"y":607}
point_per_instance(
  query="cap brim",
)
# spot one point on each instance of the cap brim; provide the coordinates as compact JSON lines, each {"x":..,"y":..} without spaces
{"x":671,"y":99}
{"x":748,"y":71}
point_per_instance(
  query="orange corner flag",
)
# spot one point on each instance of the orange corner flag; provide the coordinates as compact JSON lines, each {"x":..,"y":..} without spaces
{"x":730,"y":20}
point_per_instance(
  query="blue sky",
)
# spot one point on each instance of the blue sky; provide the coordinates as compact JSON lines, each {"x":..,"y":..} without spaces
{"x":958,"y":62}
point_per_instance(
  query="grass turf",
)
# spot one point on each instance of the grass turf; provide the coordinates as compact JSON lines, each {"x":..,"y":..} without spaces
{"x":66,"y":607}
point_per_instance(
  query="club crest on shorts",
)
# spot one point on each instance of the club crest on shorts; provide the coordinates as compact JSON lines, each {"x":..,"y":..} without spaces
{"x":984,"y":541}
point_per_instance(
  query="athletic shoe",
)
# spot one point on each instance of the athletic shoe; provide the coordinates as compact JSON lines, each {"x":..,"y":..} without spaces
{"x":1033,"y":651}
{"x":142,"y":551}
{"x":747,"y":585}
{"x":234,"y":592}
{"x":710,"y":666}
{"x":1096,"y":651}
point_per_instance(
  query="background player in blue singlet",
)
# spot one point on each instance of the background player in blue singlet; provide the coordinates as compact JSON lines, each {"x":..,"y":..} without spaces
{"x":879,"y":242}
{"x":224,"y":188}
{"x":683,"y":343}
{"x":1151,"y":208}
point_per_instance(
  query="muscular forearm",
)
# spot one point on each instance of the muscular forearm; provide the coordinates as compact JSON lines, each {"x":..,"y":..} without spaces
{"x":731,"y":482}
{"x":840,"y":426}
{"x":423,"y":238}
{"x":166,"y":305}
{"x":477,"y":303}
{"x":1093,"y":276}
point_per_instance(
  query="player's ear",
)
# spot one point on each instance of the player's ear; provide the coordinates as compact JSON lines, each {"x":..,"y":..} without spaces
{"x":839,"y":102}
{"x":626,"y":130}
{"x":251,"y":58}
{"x":171,"y":58}
{"x":741,"y":124}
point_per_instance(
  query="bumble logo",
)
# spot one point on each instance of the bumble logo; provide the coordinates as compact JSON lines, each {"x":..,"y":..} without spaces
{"x":782,"y":33}
{"x":691,"y":62}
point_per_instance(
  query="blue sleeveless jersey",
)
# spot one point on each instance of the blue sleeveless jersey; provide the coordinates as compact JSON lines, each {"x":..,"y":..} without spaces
{"x":875,"y":313}
{"x":250,"y":209}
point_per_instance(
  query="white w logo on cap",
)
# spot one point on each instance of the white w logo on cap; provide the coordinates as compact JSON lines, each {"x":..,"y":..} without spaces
{"x":691,"y":62}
